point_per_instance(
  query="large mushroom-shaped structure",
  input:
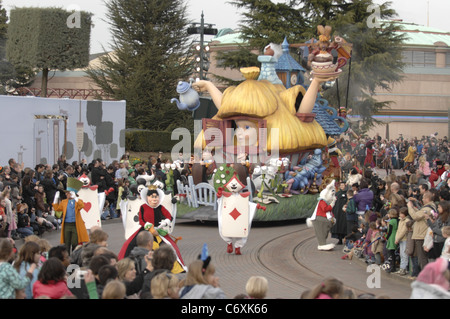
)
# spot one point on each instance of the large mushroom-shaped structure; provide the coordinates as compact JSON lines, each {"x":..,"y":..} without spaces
{"x":266,"y":119}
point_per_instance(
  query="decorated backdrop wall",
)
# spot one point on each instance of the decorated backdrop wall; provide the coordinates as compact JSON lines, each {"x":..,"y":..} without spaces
{"x":38,"y":130}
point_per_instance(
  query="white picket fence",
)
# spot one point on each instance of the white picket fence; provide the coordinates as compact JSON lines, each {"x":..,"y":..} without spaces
{"x":202,"y":193}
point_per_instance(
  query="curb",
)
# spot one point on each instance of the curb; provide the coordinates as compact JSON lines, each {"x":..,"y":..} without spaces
{"x":405,"y":279}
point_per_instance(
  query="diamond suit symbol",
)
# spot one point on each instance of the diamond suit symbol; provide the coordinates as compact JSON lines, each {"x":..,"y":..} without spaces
{"x":235,"y":214}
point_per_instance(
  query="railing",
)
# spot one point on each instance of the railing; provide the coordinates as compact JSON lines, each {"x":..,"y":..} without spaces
{"x":82,"y":94}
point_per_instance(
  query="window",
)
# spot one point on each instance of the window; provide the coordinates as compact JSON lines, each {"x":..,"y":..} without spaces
{"x":419,"y":59}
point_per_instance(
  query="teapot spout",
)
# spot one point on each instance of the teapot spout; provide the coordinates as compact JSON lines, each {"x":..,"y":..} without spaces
{"x":181,"y":106}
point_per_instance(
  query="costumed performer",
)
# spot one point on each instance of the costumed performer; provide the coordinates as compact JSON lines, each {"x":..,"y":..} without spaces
{"x":235,"y":214}
{"x":73,"y":229}
{"x":369,"y":154}
{"x":409,"y":159}
{"x":155,"y":218}
{"x":322,"y":218}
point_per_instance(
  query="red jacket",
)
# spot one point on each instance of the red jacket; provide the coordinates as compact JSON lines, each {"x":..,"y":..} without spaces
{"x":323,"y":209}
{"x":54,"y":290}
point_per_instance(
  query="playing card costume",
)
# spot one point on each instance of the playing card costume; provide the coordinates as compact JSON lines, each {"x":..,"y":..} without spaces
{"x":130,"y":207}
{"x":322,"y":218}
{"x":158,"y":221}
{"x":90,"y":196}
{"x":235,"y":214}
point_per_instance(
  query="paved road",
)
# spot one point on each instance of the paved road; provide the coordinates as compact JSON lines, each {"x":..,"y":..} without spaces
{"x":285,"y":254}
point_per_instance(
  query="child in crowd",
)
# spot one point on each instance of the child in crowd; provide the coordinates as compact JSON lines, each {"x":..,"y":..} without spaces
{"x":446,"y":249}
{"x":330,"y":288}
{"x":10,"y":279}
{"x":201,"y":282}
{"x":370,"y":257}
{"x":114,"y":289}
{"x":165,"y":286}
{"x":377,"y":243}
{"x":391,"y":246}
{"x":352,"y":242}
{"x":51,"y":281}
{"x":350,"y":212}
{"x":400,"y":239}
{"x":28,"y":255}
{"x":257,"y":287}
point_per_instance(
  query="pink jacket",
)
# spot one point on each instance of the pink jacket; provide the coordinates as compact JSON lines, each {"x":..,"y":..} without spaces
{"x":425,"y":168}
{"x":53,"y":290}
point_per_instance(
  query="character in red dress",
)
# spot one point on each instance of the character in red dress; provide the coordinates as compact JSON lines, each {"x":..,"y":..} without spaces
{"x":156,"y":218}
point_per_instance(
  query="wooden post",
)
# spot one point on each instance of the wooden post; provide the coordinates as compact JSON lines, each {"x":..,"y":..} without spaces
{"x":44,"y":82}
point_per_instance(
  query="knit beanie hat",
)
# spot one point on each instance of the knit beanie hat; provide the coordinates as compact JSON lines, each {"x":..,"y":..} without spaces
{"x":434,"y":273}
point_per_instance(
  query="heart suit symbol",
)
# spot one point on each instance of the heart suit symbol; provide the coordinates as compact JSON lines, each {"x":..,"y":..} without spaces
{"x":87,"y":207}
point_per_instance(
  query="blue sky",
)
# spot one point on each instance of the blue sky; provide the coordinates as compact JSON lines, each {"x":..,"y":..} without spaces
{"x":224,"y":15}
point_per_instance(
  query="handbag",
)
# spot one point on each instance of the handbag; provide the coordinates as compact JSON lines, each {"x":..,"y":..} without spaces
{"x":409,"y":250}
{"x":428,"y":240}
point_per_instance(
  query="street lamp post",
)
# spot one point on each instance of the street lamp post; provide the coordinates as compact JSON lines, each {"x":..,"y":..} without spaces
{"x":202,"y":30}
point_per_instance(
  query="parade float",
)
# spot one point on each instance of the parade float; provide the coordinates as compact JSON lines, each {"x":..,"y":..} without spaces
{"x":273,"y":131}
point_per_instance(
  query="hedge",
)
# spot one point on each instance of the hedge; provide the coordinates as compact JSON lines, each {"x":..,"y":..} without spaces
{"x":151,"y":141}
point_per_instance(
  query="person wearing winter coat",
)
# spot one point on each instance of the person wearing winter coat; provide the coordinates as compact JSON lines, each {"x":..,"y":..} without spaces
{"x":364,"y":197}
{"x":10,"y":279}
{"x":391,"y":245}
{"x":436,"y":225}
{"x":432,"y":282}
{"x":400,"y":239}
{"x":201,"y":282}
{"x":420,"y":225}
{"x":51,"y":281}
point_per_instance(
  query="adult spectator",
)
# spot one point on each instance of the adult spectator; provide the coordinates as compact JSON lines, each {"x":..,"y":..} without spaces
{"x":395,"y":198}
{"x":162,"y":260}
{"x":95,"y":172}
{"x":50,"y":186}
{"x":144,"y":245}
{"x":436,"y":226}
{"x":432,"y":282}
{"x":420,"y":225}
{"x":363,"y":199}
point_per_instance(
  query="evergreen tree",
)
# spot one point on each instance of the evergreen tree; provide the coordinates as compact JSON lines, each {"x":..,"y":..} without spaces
{"x":10,"y":76}
{"x":376,"y":61}
{"x":149,"y":56}
{"x":43,"y":39}
{"x":263,"y":22}
{"x":6,"y":69}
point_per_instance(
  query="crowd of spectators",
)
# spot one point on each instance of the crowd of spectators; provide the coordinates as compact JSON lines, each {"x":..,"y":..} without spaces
{"x":399,"y":222}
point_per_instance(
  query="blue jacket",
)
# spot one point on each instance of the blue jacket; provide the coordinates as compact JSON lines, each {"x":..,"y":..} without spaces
{"x":363,"y":198}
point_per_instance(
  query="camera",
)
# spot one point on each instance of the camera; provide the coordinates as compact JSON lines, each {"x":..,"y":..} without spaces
{"x":81,"y":274}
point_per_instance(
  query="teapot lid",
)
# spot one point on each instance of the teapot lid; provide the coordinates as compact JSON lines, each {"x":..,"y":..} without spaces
{"x":183,"y":87}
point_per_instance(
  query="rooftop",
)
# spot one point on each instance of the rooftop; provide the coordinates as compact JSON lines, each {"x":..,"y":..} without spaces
{"x":419,"y":35}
